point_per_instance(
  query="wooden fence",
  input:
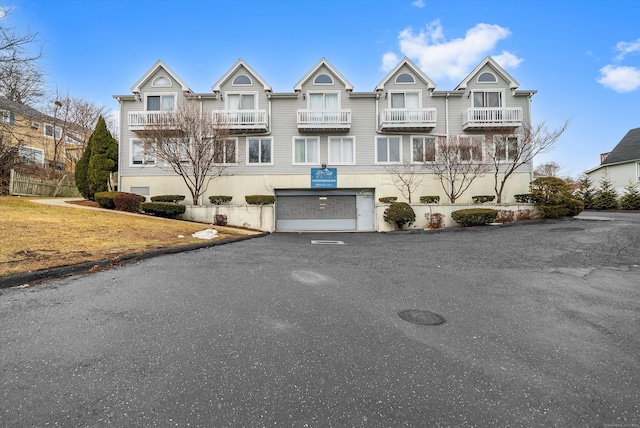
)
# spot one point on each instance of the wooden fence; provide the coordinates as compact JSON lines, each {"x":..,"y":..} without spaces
{"x":22,"y":185}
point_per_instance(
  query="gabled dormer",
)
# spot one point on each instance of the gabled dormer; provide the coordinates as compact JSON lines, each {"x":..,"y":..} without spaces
{"x":245,"y":96}
{"x":405,"y":92}
{"x":158,"y":91}
{"x":324,"y":88}
{"x":489,"y":90}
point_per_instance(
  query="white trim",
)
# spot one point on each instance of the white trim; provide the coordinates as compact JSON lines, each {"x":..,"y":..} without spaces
{"x":306,"y":151}
{"x":156,"y":85}
{"x":322,"y":83}
{"x":133,"y":141}
{"x":240,"y":63}
{"x":405,"y":83}
{"x":159,"y":64}
{"x":424,"y":137}
{"x":247,"y":151}
{"x":233,"y":82}
{"x":638,"y":172}
{"x":353,"y":140}
{"x":309,"y":93}
{"x":160,"y":94}
{"x":484,"y":83}
{"x":235,"y":162}
{"x":418,"y":91}
{"x":484,"y":91}
{"x":255,"y":94}
{"x":388,"y":137}
{"x":56,"y":128}
{"x":323,"y":62}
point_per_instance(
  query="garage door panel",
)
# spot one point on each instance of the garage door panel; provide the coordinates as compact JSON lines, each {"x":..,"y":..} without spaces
{"x":316,"y":212}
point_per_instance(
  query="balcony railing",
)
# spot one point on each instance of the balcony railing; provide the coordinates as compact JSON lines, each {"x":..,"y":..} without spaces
{"x":479,"y":118}
{"x":140,"y":120}
{"x":407,"y":118}
{"x":324,"y":119}
{"x":245,"y":120}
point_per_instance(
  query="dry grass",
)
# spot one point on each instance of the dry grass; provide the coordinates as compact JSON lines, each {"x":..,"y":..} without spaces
{"x":37,"y":236}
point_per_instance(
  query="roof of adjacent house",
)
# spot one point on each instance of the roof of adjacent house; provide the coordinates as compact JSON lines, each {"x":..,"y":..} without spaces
{"x":628,"y":149}
{"x":21,"y":109}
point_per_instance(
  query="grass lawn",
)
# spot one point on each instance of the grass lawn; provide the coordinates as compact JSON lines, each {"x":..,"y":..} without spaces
{"x":36,"y":236}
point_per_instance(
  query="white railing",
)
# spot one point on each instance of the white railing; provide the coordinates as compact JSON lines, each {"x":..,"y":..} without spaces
{"x":142,"y":119}
{"x":492,"y":116}
{"x":408,"y":117}
{"x":324,"y":118}
{"x":241,"y":118}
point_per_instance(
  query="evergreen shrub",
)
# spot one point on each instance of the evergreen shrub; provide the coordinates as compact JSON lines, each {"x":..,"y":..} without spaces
{"x":167,"y":198}
{"x":163,"y":209}
{"x":631,"y":198}
{"x":474,"y":216}
{"x":523,"y":198}
{"x":105,"y":199}
{"x":429,"y":199}
{"x":219,"y":200}
{"x":129,"y":202}
{"x":575,"y":207}
{"x":399,"y":214}
{"x":605,"y":198}
{"x":260,"y":199}
{"x":388,"y":199}
{"x":481,"y":199}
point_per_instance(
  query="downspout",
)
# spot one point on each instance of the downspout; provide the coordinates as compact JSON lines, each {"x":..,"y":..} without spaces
{"x":446,"y":118}
{"x":201,"y":119}
{"x":120,"y":121}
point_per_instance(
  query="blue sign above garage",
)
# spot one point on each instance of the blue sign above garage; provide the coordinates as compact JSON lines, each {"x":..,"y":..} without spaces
{"x":324,"y":178}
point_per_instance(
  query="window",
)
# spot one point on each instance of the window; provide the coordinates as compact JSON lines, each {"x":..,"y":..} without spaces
{"x":323,"y":79}
{"x":224,"y":152}
{"x":388,"y":149}
{"x":48,"y":131}
{"x":160,"y":102}
{"x":241,"y":101}
{"x":487,"y":78}
{"x":31,"y":155}
{"x":506,"y":151}
{"x":259,"y":151}
{"x":342,"y":150}
{"x":423,"y":149}
{"x":306,"y":150}
{"x":638,"y":171}
{"x":405,"y":100}
{"x":487,"y":99}
{"x":161,"y":81}
{"x":323,"y":101}
{"x":470,"y":148}
{"x":405,"y":78}
{"x":241,"y":80}
{"x":6,"y":117}
{"x":139,"y":156}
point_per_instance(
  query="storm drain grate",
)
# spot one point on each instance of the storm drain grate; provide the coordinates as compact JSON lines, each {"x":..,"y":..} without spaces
{"x":321,"y":242}
{"x":416,"y":316}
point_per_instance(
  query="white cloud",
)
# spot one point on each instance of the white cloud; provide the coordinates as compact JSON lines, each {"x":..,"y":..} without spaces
{"x":389,"y":60}
{"x":620,"y":78}
{"x":418,"y":3}
{"x":451,"y":59}
{"x":507,"y":60}
{"x":626,"y":48}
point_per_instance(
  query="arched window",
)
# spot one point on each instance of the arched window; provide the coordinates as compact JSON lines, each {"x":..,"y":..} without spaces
{"x":405,"y":78}
{"x":487,"y":78}
{"x":161,"y":81}
{"x":242,"y":80}
{"x":323,"y":79}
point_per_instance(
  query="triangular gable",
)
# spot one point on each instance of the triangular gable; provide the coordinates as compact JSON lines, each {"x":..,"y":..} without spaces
{"x":628,"y":149}
{"x":158,"y":65}
{"x":323,"y":62}
{"x":240,"y":63}
{"x":513,"y":84}
{"x":414,"y":68}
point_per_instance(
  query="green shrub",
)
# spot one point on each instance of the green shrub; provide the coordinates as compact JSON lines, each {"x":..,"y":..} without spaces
{"x":523,"y":198}
{"x":388,"y":199}
{"x":586,"y":193}
{"x":552,"y":211}
{"x":129,"y":202}
{"x":605,"y":197}
{"x":219,"y":200}
{"x":474,"y":216}
{"x":552,"y":197}
{"x":260,"y":199}
{"x":163,"y":209}
{"x":429,"y":199}
{"x":481,"y":199}
{"x":575,"y":207}
{"x":399,"y":214}
{"x":105,"y":199}
{"x":631,"y":198}
{"x":167,"y":198}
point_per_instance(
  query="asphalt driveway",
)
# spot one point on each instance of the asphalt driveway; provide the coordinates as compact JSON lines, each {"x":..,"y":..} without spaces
{"x":542,"y":323}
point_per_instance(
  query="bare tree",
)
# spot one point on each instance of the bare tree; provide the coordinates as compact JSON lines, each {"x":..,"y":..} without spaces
{"x":458,"y":162}
{"x":548,"y":169}
{"x":406,"y":176}
{"x":192,"y":143}
{"x":507,"y":151}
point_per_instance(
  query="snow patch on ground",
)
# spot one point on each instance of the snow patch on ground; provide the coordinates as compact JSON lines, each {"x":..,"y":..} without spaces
{"x":206,"y":234}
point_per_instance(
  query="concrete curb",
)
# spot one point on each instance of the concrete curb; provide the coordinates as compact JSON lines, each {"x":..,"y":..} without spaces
{"x":95,"y":266}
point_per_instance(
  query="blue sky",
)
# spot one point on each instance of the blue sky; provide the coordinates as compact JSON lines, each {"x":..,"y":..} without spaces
{"x":582,"y":56}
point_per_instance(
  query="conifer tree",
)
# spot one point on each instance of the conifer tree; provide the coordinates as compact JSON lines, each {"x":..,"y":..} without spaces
{"x":631,"y":198}
{"x":82,"y":172}
{"x":586,"y":193}
{"x":103,"y":160}
{"x":605,"y":197}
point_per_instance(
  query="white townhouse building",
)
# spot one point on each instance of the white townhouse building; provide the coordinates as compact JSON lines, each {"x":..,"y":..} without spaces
{"x":324,"y":151}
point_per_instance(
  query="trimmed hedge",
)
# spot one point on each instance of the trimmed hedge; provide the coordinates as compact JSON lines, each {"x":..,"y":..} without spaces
{"x":388,"y":199}
{"x":163,"y":209}
{"x":524,"y":198}
{"x":106,"y":199}
{"x":128,"y":202}
{"x":481,"y":199}
{"x":399,"y":213}
{"x":260,"y":199}
{"x":219,"y":200}
{"x":474,"y":216}
{"x":167,"y":198}
{"x":429,"y":199}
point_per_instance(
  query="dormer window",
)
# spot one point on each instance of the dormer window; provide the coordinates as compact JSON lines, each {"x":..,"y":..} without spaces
{"x":323,"y":79}
{"x":487,"y":78}
{"x":405,"y":78}
{"x":161,"y":81}
{"x":242,"y":80}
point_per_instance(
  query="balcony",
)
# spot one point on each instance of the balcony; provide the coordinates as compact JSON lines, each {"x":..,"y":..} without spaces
{"x":141,"y":120}
{"x":243,"y":120}
{"x":483,"y":118}
{"x":408,"y":119}
{"x":324,"y":120}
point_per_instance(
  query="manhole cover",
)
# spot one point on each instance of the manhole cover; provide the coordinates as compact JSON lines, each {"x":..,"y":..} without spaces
{"x":321,"y":242}
{"x":416,"y":316}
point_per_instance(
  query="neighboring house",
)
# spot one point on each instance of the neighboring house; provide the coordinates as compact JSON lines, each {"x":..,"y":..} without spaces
{"x":35,"y":134}
{"x":324,"y":150}
{"x":622,"y":165}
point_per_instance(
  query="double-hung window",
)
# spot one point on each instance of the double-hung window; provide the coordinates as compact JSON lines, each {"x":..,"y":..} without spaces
{"x":423,"y":149}
{"x":259,"y":151}
{"x":470,"y":148}
{"x":140,"y":156}
{"x":306,"y":150}
{"x":49,"y":131}
{"x":342,"y":150}
{"x":160,"y":102}
{"x":506,"y":149}
{"x":388,"y":149}
{"x":224,"y":152}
